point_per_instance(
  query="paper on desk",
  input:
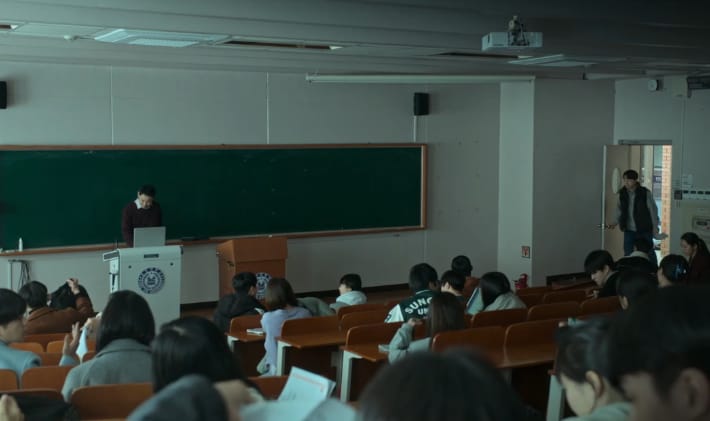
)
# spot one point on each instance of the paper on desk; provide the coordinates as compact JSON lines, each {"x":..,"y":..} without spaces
{"x":303,"y":385}
{"x":327,"y":410}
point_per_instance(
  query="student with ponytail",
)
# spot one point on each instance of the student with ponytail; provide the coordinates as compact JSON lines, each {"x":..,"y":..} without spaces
{"x":698,"y":257}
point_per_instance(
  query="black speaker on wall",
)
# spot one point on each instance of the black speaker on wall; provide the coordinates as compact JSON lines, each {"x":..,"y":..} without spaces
{"x":3,"y":95}
{"x":421,"y":103}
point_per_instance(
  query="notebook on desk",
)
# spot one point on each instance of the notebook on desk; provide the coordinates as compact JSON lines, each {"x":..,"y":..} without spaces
{"x":149,"y":237}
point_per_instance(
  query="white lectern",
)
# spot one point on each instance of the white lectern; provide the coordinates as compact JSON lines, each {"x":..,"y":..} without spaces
{"x":152,"y":272}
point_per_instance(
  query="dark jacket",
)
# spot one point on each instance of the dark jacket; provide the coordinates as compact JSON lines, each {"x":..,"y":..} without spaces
{"x":699,"y":269}
{"x":642,"y":215}
{"x":636,"y":263}
{"x":234,"y":305}
{"x":132,"y":217}
{"x":417,"y":305}
{"x":609,"y":288}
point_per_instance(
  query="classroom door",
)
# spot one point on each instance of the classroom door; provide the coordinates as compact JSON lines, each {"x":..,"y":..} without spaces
{"x":652,"y":160}
{"x":617,"y":159}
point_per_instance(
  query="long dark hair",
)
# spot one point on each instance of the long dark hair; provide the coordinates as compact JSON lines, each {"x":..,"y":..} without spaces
{"x":279,"y":294}
{"x":126,"y":316}
{"x":192,"y":345}
{"x":694,"y":240}
{"x":12,"y":306}
{"x":62,"y":297}
{"x":493,"y":285}
{"x":445,"y":313}
{"x":582,"y":348}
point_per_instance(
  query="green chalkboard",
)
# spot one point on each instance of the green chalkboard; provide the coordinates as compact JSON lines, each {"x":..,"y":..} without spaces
{"x":74,"y":197}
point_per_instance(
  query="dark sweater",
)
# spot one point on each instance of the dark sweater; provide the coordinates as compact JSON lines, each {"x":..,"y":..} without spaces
{"x":132,"y":217}
{"x":234,"y":305}
{"x":609,"y":288}
{"x":699,"y":268}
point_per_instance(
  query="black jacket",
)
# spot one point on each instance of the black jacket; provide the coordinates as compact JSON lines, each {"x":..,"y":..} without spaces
{"x":642,"y":214}
{"x":234,"y":305}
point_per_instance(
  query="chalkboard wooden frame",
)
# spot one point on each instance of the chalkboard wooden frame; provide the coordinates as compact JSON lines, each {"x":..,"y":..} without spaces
{"x":107,"y":246}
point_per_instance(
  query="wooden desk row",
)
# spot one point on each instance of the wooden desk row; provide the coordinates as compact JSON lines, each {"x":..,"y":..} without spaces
{"x":356,"y":356}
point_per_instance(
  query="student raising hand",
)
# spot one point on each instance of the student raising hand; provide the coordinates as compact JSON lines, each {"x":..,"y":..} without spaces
{"x":71,"y":342}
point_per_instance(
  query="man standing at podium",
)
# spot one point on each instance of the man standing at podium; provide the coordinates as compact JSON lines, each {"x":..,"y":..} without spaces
{"x":141,"y":213}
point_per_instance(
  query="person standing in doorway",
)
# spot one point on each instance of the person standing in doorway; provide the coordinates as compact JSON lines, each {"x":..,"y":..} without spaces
{"x":141,"y":213}
{"x":636,"y":214}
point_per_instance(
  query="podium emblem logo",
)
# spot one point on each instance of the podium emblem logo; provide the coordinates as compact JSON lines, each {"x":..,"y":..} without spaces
{"x":151,"y":280}
{"x":262,"y":279}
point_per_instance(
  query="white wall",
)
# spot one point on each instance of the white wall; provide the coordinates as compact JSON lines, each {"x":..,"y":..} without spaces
{"x":552,"y":134}
{"x":515,"y":201}
{"x":573,"y":122}
{"x":75,"y":104}
{"x":641,"y":114}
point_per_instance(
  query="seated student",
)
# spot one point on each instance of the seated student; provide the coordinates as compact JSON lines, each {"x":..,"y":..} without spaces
{"x":462,"y":265}
{"x":350,"y":290}
{"x":193,"y":345}
{"x":600,"y":266}
{"x":421,"y":279}
{"x":698,"y":257}
{"x":12,"y":315}
{"x":582,"y":369}
{"x":445,"y":313}
{"x":123,"y":342}
{"x":658,"y":354}
{"x":673,"y":270}
{"x":426,"y":386}
{"x":638,"y":260}
{"x":494,"y":293}
{"x":282,"y":305}
{"x":454,"y":283}
{"x":45,"y":319}
{"x":64,"y":297}
{"x":242,"y":303}
{"x":633,"y":285}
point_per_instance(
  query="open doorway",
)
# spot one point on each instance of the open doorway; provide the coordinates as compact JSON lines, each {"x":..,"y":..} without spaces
{"x":653,"y":161}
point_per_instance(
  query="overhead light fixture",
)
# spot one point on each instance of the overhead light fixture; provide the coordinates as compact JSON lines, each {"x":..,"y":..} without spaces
{"x":156,"y":38}
{"x":414,"y":79}
{"x":606,"y":76}
{"x":277,"y":44}
{"x":556,"y":60}
{"x":8,"y":26}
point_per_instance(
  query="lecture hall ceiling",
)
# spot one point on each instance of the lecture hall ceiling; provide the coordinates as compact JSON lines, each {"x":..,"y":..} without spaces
{"x":614,"y":38}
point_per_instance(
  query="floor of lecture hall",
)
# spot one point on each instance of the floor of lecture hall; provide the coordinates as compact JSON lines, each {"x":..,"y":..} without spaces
{"x":372,"y":297}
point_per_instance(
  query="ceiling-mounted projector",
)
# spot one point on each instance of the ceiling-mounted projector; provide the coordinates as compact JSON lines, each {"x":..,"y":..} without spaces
{"x":514,"y":40}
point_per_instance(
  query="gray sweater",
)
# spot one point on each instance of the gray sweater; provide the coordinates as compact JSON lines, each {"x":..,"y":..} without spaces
{"x":121,"y":361}
{"x":271,"y":322}
{"x":402,"y":344}
{"x":503,"y":302}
